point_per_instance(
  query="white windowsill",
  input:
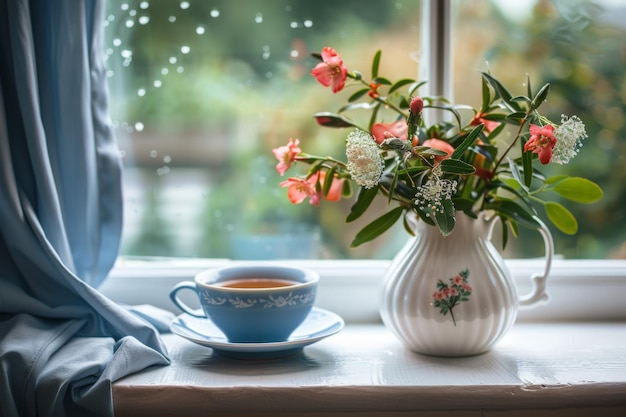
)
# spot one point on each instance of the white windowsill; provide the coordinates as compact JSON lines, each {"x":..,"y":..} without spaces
{"x":538,"y":369}
{"x":564,"y":358}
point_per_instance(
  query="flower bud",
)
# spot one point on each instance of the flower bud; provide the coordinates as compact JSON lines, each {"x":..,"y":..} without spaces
{"x":417,"y":104}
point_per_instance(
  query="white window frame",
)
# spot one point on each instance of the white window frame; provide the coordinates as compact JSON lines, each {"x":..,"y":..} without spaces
{"x":579,"y":289}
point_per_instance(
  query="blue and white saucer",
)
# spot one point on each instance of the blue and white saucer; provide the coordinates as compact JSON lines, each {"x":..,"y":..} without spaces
{"x":319,"y":324}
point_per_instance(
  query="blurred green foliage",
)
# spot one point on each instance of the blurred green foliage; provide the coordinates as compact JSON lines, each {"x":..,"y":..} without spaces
{"x":242,"y":68}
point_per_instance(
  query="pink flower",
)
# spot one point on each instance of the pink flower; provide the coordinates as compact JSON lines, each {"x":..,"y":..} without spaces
{"x":331,"y":71}
{"x":382,"y":131}
{"x":541,"y":142}
{"x":286,"y":155}
{"x":466,"y":287}
{"x":454,"y":291}
{"x":442,"y":145}
{"x":334,"y":193}
{"x":457,"y":280}
{"x":489,"y":125}
{"x":438,"y":295}
{"x":299,"y":189}
{"x":417,"y":104}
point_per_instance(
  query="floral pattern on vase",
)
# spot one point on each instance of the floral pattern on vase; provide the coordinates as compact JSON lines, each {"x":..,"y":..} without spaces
{"x":424,"y":321}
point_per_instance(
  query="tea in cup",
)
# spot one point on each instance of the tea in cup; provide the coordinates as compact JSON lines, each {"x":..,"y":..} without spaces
{"x":252,"y":303}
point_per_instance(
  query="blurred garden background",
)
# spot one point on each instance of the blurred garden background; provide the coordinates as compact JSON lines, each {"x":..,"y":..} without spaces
{"x":201,"y":91}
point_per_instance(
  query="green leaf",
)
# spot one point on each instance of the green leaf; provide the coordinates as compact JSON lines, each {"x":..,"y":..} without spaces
{"x":561,"y":217}
{"x":357,"y":95}
{"x":446,"y":219}
{"x":517,"y":174}
{"x":467,"y":142}
{"x":527,"y":166}
{"x":580,"y":190}
{"x":486,"y":94}
{"x":399,"y":84}
{"x":328,"y":180}
{"x":541,"y":96}
{"x":456,"y":166}
{"x":377,"y":227}
{"x":555,"y":178}
{"x":501,"y":92}
{"x":363,"y":201}
{"x":381,"y":81}
{"x":376,"y":63}
{"x":333,"y":120}
{"x":514,"y":212}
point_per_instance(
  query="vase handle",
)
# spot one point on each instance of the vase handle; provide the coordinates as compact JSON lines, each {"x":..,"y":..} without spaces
{"x":539,"y":293}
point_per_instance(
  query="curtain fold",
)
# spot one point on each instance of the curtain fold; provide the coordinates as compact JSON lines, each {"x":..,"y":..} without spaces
{"x":62,"y":343}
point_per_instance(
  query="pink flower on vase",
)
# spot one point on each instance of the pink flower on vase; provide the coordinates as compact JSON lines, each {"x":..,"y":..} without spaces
{"x":466,"y":287}
{"x":454,"y":291}
{"x":438,"y":295}
{"x":286,"y":155}
{"x":541,"y":142}
{"x":457,"y":280}
{"x":382,"y":131}
{"x":441,"y":145}
{"x":331,"y":72}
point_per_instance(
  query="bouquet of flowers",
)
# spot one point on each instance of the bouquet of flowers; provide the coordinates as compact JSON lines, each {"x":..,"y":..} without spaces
{"x":455,"y":165}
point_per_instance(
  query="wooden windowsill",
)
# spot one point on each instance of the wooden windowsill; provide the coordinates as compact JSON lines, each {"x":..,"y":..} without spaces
{"x":555,"y":369}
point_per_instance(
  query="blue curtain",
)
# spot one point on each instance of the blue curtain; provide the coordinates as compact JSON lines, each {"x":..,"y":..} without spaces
{"x":62,"y":343}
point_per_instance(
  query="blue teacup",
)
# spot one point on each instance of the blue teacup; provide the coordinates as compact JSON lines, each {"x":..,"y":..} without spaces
{"x":252,"y":303}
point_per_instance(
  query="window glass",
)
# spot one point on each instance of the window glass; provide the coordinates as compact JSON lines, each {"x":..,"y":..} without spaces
{"x":201,"y":91}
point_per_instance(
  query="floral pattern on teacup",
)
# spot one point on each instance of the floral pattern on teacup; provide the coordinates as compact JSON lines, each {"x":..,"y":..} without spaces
{"x":290,"y":299}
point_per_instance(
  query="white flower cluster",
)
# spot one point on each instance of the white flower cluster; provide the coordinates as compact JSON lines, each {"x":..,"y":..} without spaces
{"x":569,"y":136}
{"x":365,"y":163}
{"x":434,"y":191}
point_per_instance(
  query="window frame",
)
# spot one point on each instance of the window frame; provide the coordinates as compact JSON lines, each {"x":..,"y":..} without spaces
{"x":579,"y":289}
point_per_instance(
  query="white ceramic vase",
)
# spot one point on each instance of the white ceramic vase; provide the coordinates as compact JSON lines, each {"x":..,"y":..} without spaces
{"x":454,"y":296}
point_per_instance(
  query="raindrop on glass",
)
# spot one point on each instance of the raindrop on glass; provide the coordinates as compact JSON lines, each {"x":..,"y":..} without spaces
{"x":308,"y":23}
{"x":111,"y":18}
{"x":117,"y":42}
{"x":258,"y":18}
{"x":125,"y":6}
{"x":180,"y":70}
{"x":215,"y":13}
{"x":164,"y":71}
{"x":110,"y":73}
{"x":200,"y":30}
{"x":144,"y":5}
{"x":293,"y":25}
{"x":184,"y":5}
{"x":294,"y":54}
{"x":130,"y":23}
{"x":141,"y":92}
{"x":173,"y":60}
{"x":167,"y":159}
{"x":139,"y":127}
{"x":171,"y":19}
{"x":157,"y":83}
{"x":143,"y":20}
{"x":153,"y":153}
{"x":185,"y":49}
{"x":126,"y":53}
{"x":132,"y":12}
{"x":109,"y":51}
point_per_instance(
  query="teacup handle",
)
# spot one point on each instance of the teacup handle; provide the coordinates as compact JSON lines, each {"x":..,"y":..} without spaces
{"x":179,"y":303}
{"x":539,"y":293}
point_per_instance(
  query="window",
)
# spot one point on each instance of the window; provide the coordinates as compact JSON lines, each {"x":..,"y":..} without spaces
{"x":201,"y":91}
